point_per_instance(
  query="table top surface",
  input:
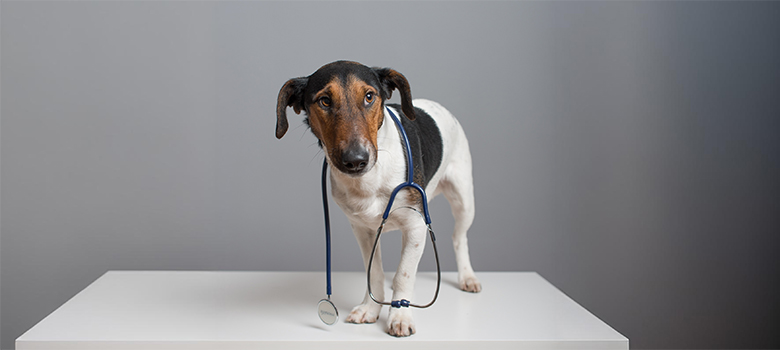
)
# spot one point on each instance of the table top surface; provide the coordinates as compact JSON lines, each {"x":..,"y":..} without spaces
{"x":180,"y":309}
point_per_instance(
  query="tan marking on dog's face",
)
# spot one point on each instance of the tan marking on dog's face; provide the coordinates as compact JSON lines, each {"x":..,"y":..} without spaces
{"x":366,"y":101}
{"x":320,"y":112}
{"x":344,"y":113}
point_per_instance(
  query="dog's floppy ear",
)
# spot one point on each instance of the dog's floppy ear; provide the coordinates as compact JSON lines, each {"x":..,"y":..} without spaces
{"x":391,"y":80}
{"x":291,"y":95}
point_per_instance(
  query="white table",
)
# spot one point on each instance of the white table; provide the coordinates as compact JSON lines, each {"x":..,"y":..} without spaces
{"x":165,"y":310}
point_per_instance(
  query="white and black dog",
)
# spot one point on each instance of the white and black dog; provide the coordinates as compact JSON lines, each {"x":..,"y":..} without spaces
{"x":345,"y":107}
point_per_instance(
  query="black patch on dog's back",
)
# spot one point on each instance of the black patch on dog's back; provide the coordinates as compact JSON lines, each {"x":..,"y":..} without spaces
{"x":426,"y":143}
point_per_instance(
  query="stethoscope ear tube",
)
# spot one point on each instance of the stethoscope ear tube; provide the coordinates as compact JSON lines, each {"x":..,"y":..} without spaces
{"x":404,"y":302}
{"x":426,"y":217}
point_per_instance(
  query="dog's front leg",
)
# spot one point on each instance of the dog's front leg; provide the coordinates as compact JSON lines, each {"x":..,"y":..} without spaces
{"x":401,"y":322}
{"x":368,"y":310}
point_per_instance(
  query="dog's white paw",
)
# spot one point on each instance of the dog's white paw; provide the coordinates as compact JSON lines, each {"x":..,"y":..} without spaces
{"x":400,"y":323}
{"x":364,"y":313}
{"x":470,"y":284}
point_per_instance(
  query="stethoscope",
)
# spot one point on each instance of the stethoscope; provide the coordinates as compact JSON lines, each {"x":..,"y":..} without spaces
{"x":326,"y":309}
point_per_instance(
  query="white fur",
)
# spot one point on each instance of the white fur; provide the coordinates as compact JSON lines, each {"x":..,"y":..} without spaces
{"x":363,"y":199}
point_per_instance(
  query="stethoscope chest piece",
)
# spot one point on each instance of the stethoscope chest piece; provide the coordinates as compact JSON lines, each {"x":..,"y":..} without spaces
{"x":327,"y":311}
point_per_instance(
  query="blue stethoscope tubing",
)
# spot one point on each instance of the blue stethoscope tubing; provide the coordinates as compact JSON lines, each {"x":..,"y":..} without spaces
{"x":326,"y":309}
{"x":425,"y":216}
{"x":327,"y":221}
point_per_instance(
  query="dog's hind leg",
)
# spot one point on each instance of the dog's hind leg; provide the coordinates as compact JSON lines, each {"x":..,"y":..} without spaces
{"x":458,"y":187}
{"x":368,"y":310}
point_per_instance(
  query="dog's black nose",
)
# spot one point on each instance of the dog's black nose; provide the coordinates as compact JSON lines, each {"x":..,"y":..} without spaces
{"x":355,"y":158}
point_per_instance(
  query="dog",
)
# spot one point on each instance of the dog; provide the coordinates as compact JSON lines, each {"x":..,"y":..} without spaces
{"x":345,"y":107}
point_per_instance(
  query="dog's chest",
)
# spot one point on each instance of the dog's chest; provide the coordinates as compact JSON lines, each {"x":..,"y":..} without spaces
{"x":364,"y":202}
{"x":360,"y":200}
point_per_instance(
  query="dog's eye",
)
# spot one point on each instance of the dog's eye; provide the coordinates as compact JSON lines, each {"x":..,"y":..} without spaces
{"x":369,"y":97}
{"x":325,"y":101}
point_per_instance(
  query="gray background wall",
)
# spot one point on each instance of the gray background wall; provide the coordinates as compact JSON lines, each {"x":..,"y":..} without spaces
{"x":627,"y":151}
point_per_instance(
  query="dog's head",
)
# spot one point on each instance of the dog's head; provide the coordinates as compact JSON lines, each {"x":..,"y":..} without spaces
{"x":344,"y":103}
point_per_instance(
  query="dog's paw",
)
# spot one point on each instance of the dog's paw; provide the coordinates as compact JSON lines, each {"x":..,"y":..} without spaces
{"x":470,"y":284}
{"x":401,"y":323}
{"x":364,"y":313}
